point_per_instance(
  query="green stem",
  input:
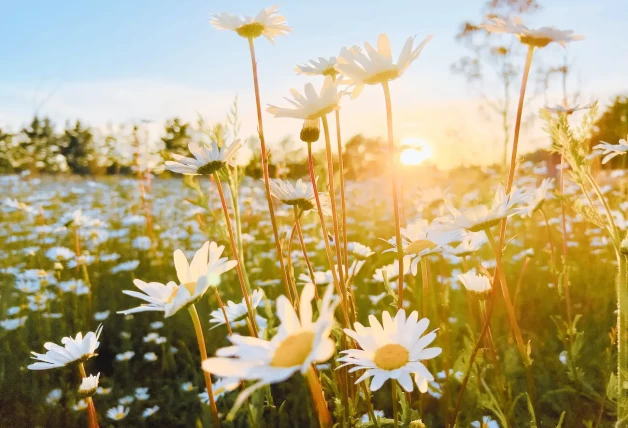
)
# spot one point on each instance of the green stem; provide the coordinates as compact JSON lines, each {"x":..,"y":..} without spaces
{"x":622,"y":338}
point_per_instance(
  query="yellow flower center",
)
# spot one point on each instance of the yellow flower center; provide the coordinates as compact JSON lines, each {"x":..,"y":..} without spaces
{"x":191,"y":286}
{"x":293,"y":350}
{"x":391,"y":357}
{"x":250,"y":31}
{"x":536,"y":41}
{"x":419,"y":245}
{"x":382,"y":77}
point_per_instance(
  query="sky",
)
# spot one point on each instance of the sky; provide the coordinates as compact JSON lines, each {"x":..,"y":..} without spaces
{"x":121,"y":61}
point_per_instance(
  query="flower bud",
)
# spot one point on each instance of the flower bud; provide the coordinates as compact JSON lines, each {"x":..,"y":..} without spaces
{"x":311,"y":131}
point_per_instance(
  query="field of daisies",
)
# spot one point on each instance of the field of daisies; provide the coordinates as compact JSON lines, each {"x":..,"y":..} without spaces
{"x":478,"y":297}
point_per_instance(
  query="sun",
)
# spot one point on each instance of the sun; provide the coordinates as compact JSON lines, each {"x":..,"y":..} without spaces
{"x":414,"y":151}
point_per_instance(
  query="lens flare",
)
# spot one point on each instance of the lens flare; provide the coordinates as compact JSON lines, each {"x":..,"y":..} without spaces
{"x":414,"y":151}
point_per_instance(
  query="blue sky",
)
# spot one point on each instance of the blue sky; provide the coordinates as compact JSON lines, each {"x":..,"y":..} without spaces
{"x":119,"y":61}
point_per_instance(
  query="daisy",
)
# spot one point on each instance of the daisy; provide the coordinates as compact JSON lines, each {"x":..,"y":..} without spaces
{"x":207,"y":159}
{"x":558,"y":109}
{"x":421,"y":239}
{"x":611,"y":150}
{"x":89,"y":385}
{"x":150,"y":411}
{"x":480,"y":217}
{"x":221,"y":387}
{"x":378,"y":67}
{"x":394,"y":349}
{"x":359,"y":251}
{"x":470,"y":243}
{"x":311,"y":106}
{"x":195,"y":278}
{"x":80,"y":405}
{"x":74,"y":350}
{"x":322,"y":66}
{"x":300,"y":195}
{"x":392,"y":270}
{"x":118,"y":413}
{"x":538,"y":37}
{"x":476,"y":284}
{"x":298,"y":344}
{"x":536,"y":198}
{"x":236,"y":312}
{"x":267,"y":23}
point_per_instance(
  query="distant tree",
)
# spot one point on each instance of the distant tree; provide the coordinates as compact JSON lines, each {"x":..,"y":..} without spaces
{"x":177,"y":137}
{"x":611,"y":127}
{"x":77,"y":145}
{"x":6,"y":146}
{"x":494,"y":58}
{"x":38,"y":148}
{"x":362,"y":157}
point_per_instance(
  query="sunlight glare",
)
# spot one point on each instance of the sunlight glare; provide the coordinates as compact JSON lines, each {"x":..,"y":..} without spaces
{"x":415,"y":151}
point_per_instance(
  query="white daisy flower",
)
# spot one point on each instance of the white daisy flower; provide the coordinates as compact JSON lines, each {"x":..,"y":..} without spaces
{"x":420,"y":239}
{"x":237,"y":311}
{"x":477,"y":284}
{"x":267,"y":23}
{"x":378,"y":67}
{"x":538,"y":37}
{"x":118,"y":413}
{"x":392,"y":270}
{"x":89,"y":385}
{"x":298,"y":344}
{"x":150,"y":411}
{"x":480,"y":217}
{"x":195,"y":278}
{"x":470,"y":243}
{"x":207,"y":159}
{"x":301,"y":194}
{"x":536,"y":198}
{"x":558,"y":109}
{"x":611,"y":150}
{"x":322,"y":66}
{"x":392,"y":350}
{"x":312,"y":106}
{"x":359,"y":251}
{"x":220,"y":388}
{"x":74,"y":350}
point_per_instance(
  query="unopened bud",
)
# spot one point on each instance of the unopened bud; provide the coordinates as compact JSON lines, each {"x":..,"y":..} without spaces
{"x":311,"y":131}
{"x":623,"y":247}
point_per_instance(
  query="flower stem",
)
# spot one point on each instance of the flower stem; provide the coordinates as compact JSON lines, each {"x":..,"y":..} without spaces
{"x":92,"y":415}
{"x":510,"y":310}
{"x":264,"y":155}
{"x":224,"y":312}
{"x":234,"y":248}
{"x":622,"y":338}
{"x":393,"y":174}
{"x":203,"y":351}
{"x":330,"y":258}
{"x":343,"y":200}
{"x":395,"y":402}
{"x":474,"y":353}
{"x":332,"y":196}
{"x":552,"y":247}
{"x":425,"y":282}
{"x":297,"y":216}
{"x":324,"y":417}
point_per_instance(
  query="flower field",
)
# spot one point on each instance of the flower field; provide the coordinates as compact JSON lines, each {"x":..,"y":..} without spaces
{"x":216,"y":295}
